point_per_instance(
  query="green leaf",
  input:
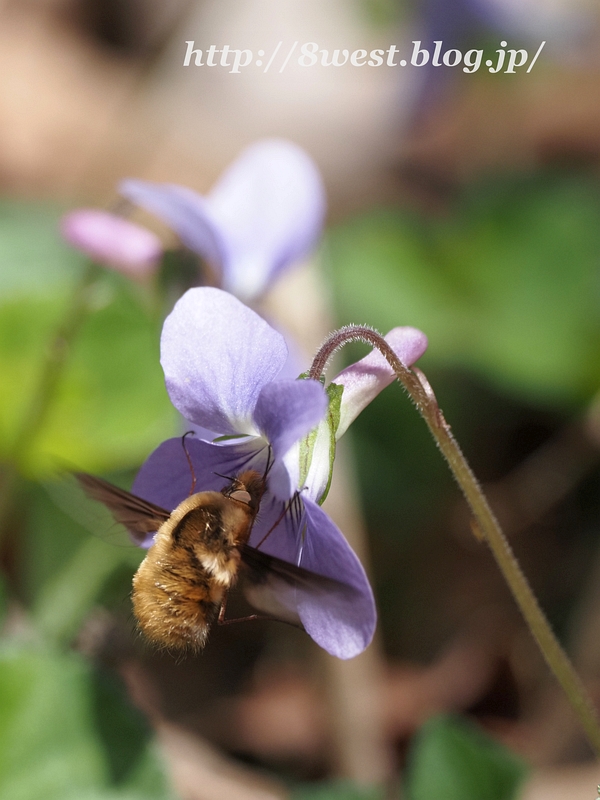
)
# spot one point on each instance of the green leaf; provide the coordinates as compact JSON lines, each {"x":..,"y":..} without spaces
{"x":47,"y":747}
{"x":507,"y":285}
{"x":50,"y":746}
{"x":337,"y":790}
{"x":122,"y":730}
{"x":33,"y":258}
{"x":64,"y":567}
{"x":26,"y":325}
{"x":148,"y":777}
{"x":111,"y":408}
{"x":453,"y":760}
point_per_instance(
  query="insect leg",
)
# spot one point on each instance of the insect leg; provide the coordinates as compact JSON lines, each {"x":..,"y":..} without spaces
{"x":240,"y":619}
{"x":189,"y":460}
{"x":222,"y":621}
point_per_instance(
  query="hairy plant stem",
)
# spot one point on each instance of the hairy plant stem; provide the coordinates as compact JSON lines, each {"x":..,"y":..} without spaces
{"x":487,"y":526}
{"x":42,"y":397}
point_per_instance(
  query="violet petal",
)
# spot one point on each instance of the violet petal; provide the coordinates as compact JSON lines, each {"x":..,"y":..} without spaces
{"x":165,"y":477}
{"x":287,"y":410}
{"x":364,"y":380}
{"x":166,"y":480}
{"x":183,"y":210}
{"x":269,"y":207}
{"x":217,"y":356}
{"x":264,"y":213}
{"x":341,"y":619}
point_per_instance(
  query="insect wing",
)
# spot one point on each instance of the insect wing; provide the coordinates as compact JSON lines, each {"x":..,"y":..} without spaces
{"x":280,"y":588}
{"x":139,"y":516}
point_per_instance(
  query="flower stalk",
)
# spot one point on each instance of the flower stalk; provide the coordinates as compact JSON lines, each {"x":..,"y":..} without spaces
{"x":42,"y":398}
{"x":487,"y":527}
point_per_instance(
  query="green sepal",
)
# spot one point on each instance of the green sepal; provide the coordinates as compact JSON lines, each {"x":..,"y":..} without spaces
{"x":305,"y":376}
{"x":334,"y":392}
{"x":307,"y":445}
{"x":228,"y":436}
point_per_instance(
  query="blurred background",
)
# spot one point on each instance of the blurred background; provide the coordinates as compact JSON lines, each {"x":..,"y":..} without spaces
{"x":467,"y":205}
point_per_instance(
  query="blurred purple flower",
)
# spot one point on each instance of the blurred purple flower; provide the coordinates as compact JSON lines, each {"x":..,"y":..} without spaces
{"x":563,"y":22}
{"x":221,"y":364}
{"x":265,"y":213}
{"x":113,"y":241}
{"x":465,"y":24}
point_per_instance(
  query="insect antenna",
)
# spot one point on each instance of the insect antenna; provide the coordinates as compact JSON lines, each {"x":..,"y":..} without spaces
{"x":269,"y":465}
{"x":189,"y":460}
{"x":227,"y":477}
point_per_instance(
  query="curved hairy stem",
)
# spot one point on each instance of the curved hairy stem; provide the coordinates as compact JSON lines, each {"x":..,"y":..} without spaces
{"x":487,"y":526}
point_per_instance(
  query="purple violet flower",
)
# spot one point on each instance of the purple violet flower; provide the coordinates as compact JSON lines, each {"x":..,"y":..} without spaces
{"x":265,"y":213}
{"x":113,"y":241}
{"x":222,"y":364}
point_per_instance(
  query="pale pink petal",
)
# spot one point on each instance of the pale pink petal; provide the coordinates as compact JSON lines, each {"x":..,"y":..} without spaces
{"x":112,"y":241}
{"x":364,"y":380}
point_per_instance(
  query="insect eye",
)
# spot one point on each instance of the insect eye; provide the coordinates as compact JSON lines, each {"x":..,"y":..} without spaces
{"x":241,"y":495}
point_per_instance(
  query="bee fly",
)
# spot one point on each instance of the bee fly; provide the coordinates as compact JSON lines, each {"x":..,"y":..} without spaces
{"x":181,"y":586}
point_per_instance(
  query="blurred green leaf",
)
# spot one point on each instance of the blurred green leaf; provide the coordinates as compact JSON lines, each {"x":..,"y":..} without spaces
{"x":508,"y":285}
{"x":111,"y":408}
{"x":147,"y":778}
{"x":66,"y":600}
{"x":123,"y":731}
{"x":64,"y":566}
{"x":382,"y":13}
{"x":107,"y":794}
{"x":452,"y":760}
{"x":26,"y":325}
{"x":337,"y":790}
{"x":57,"y":527}
{"x":49,"y":742}
{"x":33,"y":257}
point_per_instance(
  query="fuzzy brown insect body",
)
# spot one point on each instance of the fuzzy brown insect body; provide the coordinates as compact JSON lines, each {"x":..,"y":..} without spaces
{"x":181,"y":584}
{"x":199,"y":549}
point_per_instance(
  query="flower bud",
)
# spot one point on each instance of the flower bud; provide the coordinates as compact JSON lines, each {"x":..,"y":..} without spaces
{"x":113,"y":241}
